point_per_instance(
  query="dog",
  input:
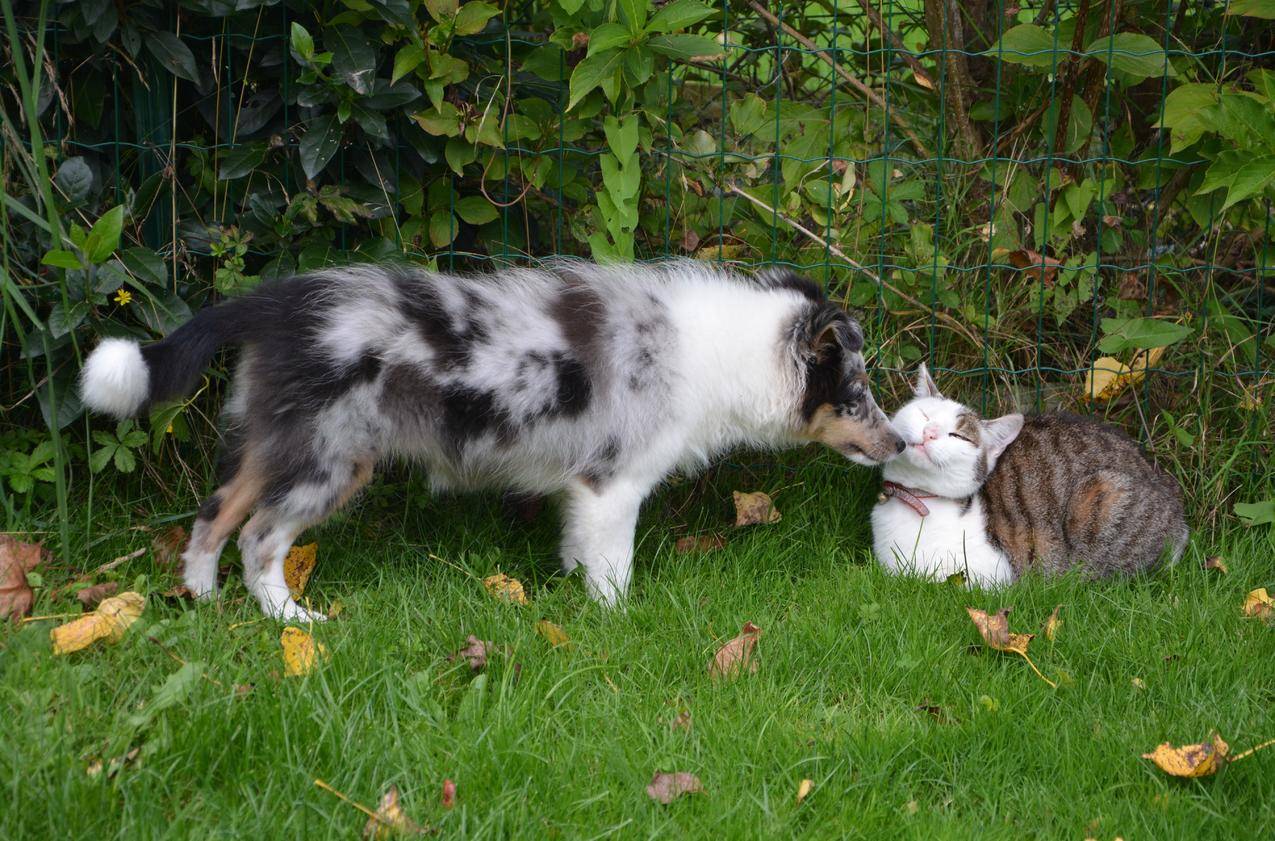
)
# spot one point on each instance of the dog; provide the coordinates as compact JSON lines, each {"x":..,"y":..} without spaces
{"x":592,"y":383}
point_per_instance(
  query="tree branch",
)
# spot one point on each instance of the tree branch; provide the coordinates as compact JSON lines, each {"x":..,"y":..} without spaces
{"x":923,"y":76}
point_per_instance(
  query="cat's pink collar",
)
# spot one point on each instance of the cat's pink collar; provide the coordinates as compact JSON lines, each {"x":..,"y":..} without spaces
{"x":910,"y":497}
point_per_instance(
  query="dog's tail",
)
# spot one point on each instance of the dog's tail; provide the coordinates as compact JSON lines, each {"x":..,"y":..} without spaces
{"x":120,"y":377}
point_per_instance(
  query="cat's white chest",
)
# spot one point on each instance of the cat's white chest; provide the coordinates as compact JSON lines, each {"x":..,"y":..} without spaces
{"x":945,"y":541}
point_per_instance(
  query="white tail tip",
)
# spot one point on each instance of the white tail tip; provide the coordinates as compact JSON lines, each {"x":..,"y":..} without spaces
{"x":115,"y":380}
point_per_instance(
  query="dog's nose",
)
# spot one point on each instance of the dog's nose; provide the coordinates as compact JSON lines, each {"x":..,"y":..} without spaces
{"x":899,"y":446}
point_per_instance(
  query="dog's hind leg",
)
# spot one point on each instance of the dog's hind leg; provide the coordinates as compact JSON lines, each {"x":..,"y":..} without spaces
{"x":218,"y":516}
{"x":266,"y":538}
{"x":598,"y":535}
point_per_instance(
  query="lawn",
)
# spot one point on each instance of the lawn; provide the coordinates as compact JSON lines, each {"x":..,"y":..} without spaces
{"x":879,"y":690}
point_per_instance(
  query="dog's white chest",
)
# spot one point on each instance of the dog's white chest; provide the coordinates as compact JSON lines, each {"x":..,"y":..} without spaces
{"x":945,"y":541}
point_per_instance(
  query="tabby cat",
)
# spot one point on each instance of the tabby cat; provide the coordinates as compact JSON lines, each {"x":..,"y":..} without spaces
{"x":995,"y":498}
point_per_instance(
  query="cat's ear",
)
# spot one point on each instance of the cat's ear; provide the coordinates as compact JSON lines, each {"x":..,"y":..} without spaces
{"x":925,"y":386}
{"x":1000,"y":433}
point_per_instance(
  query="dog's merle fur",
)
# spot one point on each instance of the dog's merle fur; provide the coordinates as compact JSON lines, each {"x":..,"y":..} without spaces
{"x":592,"y":383}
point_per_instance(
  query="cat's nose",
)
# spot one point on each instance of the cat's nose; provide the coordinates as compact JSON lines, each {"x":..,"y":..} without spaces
{"x":931,"y":432}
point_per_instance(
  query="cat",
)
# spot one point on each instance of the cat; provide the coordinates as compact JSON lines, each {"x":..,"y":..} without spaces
{"x":994,"y":499}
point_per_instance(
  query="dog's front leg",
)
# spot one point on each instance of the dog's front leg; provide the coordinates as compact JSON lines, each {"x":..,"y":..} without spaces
{"x":598,"y":535}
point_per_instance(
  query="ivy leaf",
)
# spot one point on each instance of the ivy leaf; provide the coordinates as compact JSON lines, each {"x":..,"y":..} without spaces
{"x":75,"y":179}
{"x":1027,"y":44}
{"x":476,"y":210}
{"x":173,"y":54}
{"x":685,"y":47}
{"x":591,"y":72}
{"x":1143,"y":333}
{"x":442,"y":228}
{"x":1136,"y":55}
{"x":320,"y":143}
{"x":678,"y":15}
{"x":473,"y":17}
{"x":353,"y":58}
{"x":104,"y":238}
{"x":459,"y":154}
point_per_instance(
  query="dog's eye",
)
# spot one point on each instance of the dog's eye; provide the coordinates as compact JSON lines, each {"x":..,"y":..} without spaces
{"x":962,"y":437}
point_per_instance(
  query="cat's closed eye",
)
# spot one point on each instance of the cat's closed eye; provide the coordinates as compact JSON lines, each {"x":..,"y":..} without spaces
{"x":962,"y":437}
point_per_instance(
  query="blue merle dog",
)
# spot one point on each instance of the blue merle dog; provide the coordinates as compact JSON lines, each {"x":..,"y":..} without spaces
{"x":587,"y":382}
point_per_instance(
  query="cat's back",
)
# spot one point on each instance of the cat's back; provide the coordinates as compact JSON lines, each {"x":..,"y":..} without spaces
{"x":1072,"y":490}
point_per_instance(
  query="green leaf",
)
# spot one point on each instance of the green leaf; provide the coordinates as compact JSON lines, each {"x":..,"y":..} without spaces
{"x":322,"y":139}
{"x":62,"y":321}
{"x":473,"y":17}
{"x":476,"y":210}
{"x":1028,"y":44}
{"x":1264,"y":9}
{"x":1184,"y":110}
{"x":442,"y":228}
{"x":608,"y":36}
{"x":135,"y":438}
{"x":75,"y":179}
{"x":678,"y":15}
{"x":1256,"y":513}
{"x":61,"y":259}
{"x":353,"y":57}
{"x":104,"y":238}
{"x":748,"y":114}
{"x":685,"y":47}
{"x":1141,"y":333}
{"x":1222,"y":171}
{"x":302,"y":43}
{"x":173,"y":54}
{"x":441,"y":10}
{"x":1134,"y":54}
{"x":241,"y":160}
{"x":1250,"y":180}
{"x":590,"y":73}
{"x":622,"y":136}
{"x":125,"y":461}
{"x":444,"y":122}
{"x":1079,"y":124}
{"x":459,"y":154}
{"x":570,"y":6}
{"x":633,"y":13}
{"x":406,"y":60}
{"x":100,"y":458}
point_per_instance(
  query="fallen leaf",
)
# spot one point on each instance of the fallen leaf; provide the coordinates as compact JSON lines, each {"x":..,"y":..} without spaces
{"x":299,"y":650}
{"x":178,"y":593}
{"x":912,"y":807}
{"x":995,"y":632}
{"x":1216,"y":563}
{"x":1201,"y":760}
{"x":116,"y":764}
{"x":390,"y":819}
{"x":1138,"y":683}
{"x":553,"y":633}
{"x":1034,"y":266}
{"x":297,"y":567}
{"x":699,"y":543}
{"x":243,"y":690}
{"x":690,"y":240}
{"x":108,"y":622}
{"x":803,"y":790}
{"x":736,"y":655}
{"x":1131,"y":288}
{"x":168,"y":546}
{"x":16,"y":560}
{"x":475,"y":652}
{"x":1258,"y":604}
{"x":1052,"y":624}
{"x":754,"y":509}
{"x":501,"y":586}
{"x":449,"y":794}
{"x":1108,"y":376}
{"x":667,"y":787}
{"x":682,"y":722}
{"x":90,"y":597}
{"x":936,"y":712}
{"x":335,"y":609}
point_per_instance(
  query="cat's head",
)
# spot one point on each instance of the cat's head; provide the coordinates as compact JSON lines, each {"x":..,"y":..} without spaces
{"x":950,"y":449}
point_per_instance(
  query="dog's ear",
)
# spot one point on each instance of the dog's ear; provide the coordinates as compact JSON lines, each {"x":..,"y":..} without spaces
{"x":833,"y":333}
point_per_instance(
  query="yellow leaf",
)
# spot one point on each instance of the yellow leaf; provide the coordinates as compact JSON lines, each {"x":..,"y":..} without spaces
{"x":1052,"y":624}
{"x":736,"y":655}
{"x":1202,"y":760}
{"x":1258,"y":604}
{"x":297,"y":567}
{"x":803,"y":790}
{"x":502,"y":587}
{"x":552,"y":632}
{"x":1216,"y":563}
{"x":1109,"y":376}
{"x":754,"y":508}
{"x":299,"y":650}
{"x":995,"y":632}
{"x":108,"y":622}
{"x":390,"y":819}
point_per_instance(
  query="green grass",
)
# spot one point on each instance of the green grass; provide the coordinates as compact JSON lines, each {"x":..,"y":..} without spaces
{"x":563,"y":745}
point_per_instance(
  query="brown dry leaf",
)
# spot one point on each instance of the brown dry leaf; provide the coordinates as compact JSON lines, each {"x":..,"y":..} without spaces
{"x":501,"y":586}
{"x":1258,"y":604}
{"x":699,"y":543}
{"x":299,"y":651}
{"x":754,"y":509}
{"x":449,"y":794}
{"x":803,"y":790}
{"x":108,"y":622}
{"x":553,"y":633}
{"x":16,"y":560}
{"x":390,"y":819}
{"x":475,"y":652}
{"x":1216,"y":563}
{"x":90,"y":597}
{"x":995,"y":632}
{"x":1108,"y":376}
{"x":1030,"y":264}
{"x":736,"y":656}
{"x":1201,"y":760}
{"x":690,"y":240}
{"x":297,"y":567}
{"x":1052,"y":624}
{"x":682,"y":722}
{"x":117,"y":764}
{"x":168,"y":546}
{"x":667,"y":787}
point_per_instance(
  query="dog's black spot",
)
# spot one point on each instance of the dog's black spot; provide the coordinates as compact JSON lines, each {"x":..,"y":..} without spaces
{"x":209,"y":508}
{"x":580,"y":313}
{"x":802,"y":285}
{"x":434,"y":324}
{"x":602,"y":465}
{"x":574,"y":388}
{"x":470,"y":413}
